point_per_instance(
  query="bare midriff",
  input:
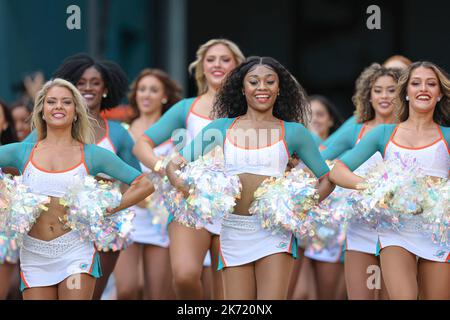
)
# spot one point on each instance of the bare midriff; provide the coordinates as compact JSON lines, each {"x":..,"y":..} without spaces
{"x":48,"y":225}
{"x":250,"y":183}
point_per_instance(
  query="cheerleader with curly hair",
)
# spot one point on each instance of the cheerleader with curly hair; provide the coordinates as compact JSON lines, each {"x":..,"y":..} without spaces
{"x":260,"y":107}
{"x":413,"y":266}
{"x":374,"y":102}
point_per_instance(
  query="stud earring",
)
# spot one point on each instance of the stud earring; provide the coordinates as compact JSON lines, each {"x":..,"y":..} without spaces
{"x":407,"y":98}
{"x":164,"y":101}
{"x":104,"y":95}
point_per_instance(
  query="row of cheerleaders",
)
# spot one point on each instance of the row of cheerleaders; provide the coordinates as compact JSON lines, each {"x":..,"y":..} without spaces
{"x":252,"y":181}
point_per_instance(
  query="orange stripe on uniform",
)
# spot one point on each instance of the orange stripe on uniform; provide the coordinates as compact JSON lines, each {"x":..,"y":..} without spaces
{"x":221,"y":256}
{"x":290,"y":244}
{"x":93,"y":261}
{"x":23,"y":279}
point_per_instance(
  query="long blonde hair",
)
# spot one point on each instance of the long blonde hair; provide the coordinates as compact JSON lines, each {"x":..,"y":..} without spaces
{"x":82,"y":130}
{"x":441,"y":113}
{"x":196,"y":67}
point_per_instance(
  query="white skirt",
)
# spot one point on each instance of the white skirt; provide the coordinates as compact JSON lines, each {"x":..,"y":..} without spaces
{"x":243,"y":240}
{"x":47,"y":263}
{"x":332,"y":255}
{"x":361,"y":238}
{"x":413,"y":241}
{"x":146,"y":232}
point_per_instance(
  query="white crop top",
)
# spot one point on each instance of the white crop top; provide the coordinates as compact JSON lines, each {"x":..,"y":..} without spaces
{"x":434,"y":159}
{"x":267,"y":161}
{"x":51,"y":183}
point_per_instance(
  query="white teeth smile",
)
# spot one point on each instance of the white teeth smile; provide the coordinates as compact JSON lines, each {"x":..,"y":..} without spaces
{"x":262,"y":97}
{"x":88,"y":96}
{"x":58,"y":115}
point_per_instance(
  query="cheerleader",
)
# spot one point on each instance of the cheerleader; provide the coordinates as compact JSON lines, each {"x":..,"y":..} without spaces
{"x":102,"y":84}
{"x":152,"y":94}
{"x":412,"y":265}
{"x":50,"y":254}
{"x":374,"y":102}
{"x":188,"y":247}
{"x":260,"y":98}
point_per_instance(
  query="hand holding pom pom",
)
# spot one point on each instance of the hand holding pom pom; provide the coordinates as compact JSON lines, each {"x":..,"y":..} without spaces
{"x":19,"y":210}
{"x":283,"y":203}
{"x":91,"y":211}
{"x":212,"y":191}
{"x":394,"y":189}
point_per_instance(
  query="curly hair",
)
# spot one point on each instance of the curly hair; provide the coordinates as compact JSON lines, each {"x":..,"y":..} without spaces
{"x":113,"y":76}
{"x":196,"y":67}
{"x":291,"y":105}
{"x":441,"y":113}
{"x":171,"y":89}
{"x":361,"y":99}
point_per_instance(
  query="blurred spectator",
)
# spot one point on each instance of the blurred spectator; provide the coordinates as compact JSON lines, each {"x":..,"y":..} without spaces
{"x":21,"y":115}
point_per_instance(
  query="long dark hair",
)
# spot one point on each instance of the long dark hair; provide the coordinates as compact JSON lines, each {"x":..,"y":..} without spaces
{"x":331,"y":109}
{"x":113,"y":76}
{"x":291,"y":104}
{"x":9,"y":135}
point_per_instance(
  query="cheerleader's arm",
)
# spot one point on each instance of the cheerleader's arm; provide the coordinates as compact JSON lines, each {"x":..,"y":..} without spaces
{"x":300,"y":141}
{"x":342,"y":173}
{"x":100,"y":160}
{"x":159,"y":132}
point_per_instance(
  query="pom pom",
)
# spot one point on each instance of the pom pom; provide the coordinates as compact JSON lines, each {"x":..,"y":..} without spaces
{"x":212,"y":192}
{"x":19,"y":210}
{"x":282,"y":203}
{"x":436,"y":220}
{"x":87,"y":201}
{"x":9,"y":250}
{"x":325,"y":225}
{"x":391,"y":194}
{"x":156,"y":202}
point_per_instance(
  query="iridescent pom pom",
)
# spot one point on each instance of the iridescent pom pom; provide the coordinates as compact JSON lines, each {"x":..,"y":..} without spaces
{"x":87,"y":201}
{"x":395,"y":187}
{"x":325,"y":225}
{"x":156,"y":202}
{"x":19,"y":210}
{"x":282,"y":203}
{"x":9,"y":250}
{"x":213,"y":192}
{"x":436,"y":220}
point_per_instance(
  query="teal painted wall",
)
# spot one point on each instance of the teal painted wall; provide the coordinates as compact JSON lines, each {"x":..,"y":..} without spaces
{"x":34,"y":36}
